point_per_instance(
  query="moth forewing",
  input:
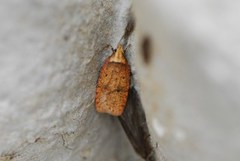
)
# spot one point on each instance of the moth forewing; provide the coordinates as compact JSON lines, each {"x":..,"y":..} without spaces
{"x":113,"y":84}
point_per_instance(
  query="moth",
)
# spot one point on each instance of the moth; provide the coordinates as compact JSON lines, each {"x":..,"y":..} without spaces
{"x":113,"y":84}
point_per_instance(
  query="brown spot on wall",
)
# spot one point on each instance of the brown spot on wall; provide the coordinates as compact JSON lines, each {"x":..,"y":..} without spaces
{"x":146,"y":49}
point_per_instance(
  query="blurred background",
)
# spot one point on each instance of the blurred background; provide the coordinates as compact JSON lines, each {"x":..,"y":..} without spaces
{"x":191,"y":86}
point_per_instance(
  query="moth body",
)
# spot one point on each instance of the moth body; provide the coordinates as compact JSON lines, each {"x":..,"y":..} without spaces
{"x":113,"y":84}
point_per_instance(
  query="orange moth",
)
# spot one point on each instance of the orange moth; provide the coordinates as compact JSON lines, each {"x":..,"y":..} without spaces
{"x":113,"y":84}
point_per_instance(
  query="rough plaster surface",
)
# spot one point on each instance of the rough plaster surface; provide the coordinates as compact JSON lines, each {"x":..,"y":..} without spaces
{"x":50,"y":55}
{"x":191,"y":87}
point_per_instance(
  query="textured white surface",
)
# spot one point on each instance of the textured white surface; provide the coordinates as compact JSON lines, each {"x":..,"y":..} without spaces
{"x":50,"y":54}
{"x":191,"y":87}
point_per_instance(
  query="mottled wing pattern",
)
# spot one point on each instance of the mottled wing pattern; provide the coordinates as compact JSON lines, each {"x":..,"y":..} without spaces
{"x":112,"y":88}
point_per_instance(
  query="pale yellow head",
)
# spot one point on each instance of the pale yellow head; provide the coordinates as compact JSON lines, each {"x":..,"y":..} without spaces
{"x":118,"y":56}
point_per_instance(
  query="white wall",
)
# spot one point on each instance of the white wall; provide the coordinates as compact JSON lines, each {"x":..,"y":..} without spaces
{"x":191,"y":87}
